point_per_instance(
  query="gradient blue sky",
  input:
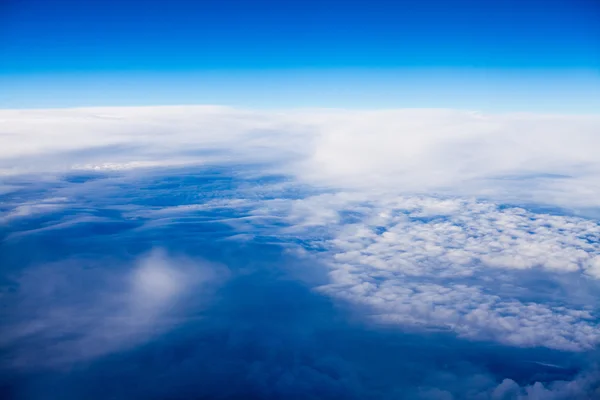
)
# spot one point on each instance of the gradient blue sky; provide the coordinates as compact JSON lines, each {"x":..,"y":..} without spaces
{"x":497,"y":54}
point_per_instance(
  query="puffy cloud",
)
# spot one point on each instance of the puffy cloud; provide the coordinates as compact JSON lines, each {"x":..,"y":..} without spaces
{"x":449,"y":263}
{"x":585,"y":386}
{"x":593,"y":267}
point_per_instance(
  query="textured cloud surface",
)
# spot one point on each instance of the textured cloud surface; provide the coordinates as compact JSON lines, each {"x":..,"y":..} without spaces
{"x":524,"y":157}
{"x":451,"y":263}
{"x":413,"y":254}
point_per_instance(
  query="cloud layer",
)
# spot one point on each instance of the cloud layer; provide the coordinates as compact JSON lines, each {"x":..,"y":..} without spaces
{"x":545,"y":159}
{"x":419,"y":254}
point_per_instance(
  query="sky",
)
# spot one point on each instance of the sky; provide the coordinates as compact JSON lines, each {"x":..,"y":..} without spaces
{"x":496,"y":55}
{"x":299,"y":199}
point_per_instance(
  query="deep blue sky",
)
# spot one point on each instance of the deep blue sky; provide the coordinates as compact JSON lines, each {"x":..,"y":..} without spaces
{"x":44,"y":41}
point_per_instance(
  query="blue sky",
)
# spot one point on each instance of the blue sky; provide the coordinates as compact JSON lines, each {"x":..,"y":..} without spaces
{"x":505,"y":55}
{"x":397,"y":246}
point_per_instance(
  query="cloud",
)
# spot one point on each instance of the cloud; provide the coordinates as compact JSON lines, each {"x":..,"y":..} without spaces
{"x":27,"y":209}
{"x":481,"y":270}
{"x":544,"y":159}
{"x":584,"y":386}
{"x":456,"y":264}
{"x":132,"y":138}
{"x":593,"y":267}
{"x":73,"y":311}
{"x":388,"y":254}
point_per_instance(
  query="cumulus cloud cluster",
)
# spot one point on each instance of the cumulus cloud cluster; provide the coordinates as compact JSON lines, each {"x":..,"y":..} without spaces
{"x":464,"y":265}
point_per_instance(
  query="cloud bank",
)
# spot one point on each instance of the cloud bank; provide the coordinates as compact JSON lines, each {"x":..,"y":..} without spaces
{"x":545,"y":159}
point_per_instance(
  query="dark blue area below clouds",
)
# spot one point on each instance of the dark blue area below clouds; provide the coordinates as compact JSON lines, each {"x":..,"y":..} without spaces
{"x":266,"y":334}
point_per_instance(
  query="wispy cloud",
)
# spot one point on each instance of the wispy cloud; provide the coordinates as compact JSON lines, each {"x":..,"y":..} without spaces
{"x":78,"y":310}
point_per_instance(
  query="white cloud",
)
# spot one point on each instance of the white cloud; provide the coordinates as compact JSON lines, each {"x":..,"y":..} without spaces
{"x":76,"y":313}
{"x":593,"y":267}
{"x":32,"y":208}
{"x":400,"y":257}
{"x":470,"y":313}
{"x":584,"y":386}
{"x":128,"y":138}
{"x":522,"y":157}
